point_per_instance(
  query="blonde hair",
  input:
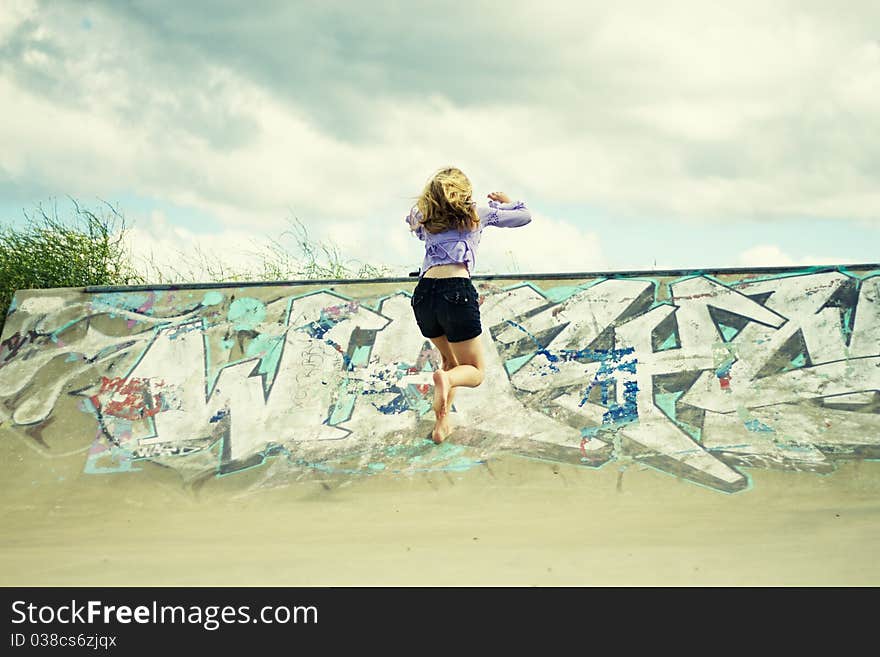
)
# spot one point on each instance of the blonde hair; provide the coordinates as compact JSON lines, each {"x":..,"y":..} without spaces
{"x":446,"y":202}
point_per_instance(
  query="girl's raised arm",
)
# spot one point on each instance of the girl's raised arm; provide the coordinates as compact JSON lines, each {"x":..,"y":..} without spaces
{"x":412,"y":220}
{"x":507,"y":215}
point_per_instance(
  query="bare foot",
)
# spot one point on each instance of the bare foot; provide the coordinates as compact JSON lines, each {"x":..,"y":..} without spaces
{"x":441,"y":430}
{"x":441,"y":393}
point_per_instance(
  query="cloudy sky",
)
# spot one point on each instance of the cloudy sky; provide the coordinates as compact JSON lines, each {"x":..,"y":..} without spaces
{"x":640,"y":134}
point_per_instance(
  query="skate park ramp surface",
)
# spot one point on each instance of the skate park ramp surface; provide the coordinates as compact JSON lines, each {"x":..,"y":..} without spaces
{"x":674,"y":427}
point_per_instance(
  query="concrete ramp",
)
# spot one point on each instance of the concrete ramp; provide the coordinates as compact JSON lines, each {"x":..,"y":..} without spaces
{"x":699,"y":374}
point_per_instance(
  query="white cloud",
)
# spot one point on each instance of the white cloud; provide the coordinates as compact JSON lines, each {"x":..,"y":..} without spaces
{"x":14,"y":12}
{"x":164,"y":252}
{"x":770,"y":255}
{"x":765,"y":255}
{"x":669,"y":111}
{"x":157,"y":246}
{"x":543,"y":246}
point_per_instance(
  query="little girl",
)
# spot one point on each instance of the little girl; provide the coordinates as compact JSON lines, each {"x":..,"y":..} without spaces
{"x":445,"y":302}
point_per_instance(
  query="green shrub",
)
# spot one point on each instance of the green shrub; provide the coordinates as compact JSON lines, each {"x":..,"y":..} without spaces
{"x":86,"y":248}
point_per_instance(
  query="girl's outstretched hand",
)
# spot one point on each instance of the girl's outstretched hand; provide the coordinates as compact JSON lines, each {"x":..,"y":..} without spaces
{"x":501,"y":197}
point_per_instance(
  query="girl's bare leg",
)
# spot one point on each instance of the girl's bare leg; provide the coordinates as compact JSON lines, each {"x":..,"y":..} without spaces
{"x":449,"y":361}
{"x":468,"y":372}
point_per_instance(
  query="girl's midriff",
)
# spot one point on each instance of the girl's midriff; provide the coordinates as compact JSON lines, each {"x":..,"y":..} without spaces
{"x":454,"y":270}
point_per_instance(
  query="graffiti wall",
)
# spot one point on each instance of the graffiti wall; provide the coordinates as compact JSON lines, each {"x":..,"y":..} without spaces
{"x":701,"y":375}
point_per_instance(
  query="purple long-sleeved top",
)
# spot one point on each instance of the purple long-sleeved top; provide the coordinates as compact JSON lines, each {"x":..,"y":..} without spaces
{"x":460,"y":246}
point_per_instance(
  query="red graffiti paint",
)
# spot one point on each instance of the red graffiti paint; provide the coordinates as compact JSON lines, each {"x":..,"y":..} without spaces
{"x":126,"y":398}
{"x":336,"y":312}
{"x":724,"y":381}
{"x":148,"y":304}
{"x":584,"y":442}
{"x":144,"y":308}
{"x":423,"y":388}
{"x":10,"y":347}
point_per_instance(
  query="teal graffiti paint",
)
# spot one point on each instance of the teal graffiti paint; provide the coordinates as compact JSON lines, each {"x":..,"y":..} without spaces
{"x":246,"y":313}
{"x":361,"y":355}
{"x":669,"y":343}
{"x":756,"y":425}
{"x":345,"y":404}
{"x":212,"y":298}
{"x":129,"y":301}
{"x":728,"y":333}
{"x":512,"y":365}
{"x":666,"y":402}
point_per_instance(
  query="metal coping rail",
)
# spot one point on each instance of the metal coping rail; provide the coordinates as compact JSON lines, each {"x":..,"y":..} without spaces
{"x":489,"y":277}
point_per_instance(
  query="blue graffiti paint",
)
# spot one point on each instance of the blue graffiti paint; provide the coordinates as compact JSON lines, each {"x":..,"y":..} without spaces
{"x":610,"y":364}
{"x":317,"y":329}
{"x":325,"y":322}
{"x":219,"y":415}
{"x":395,"y":406}
{"x":595,"y":355}
{"x":724,"y":369}
{"x":608,"y":367}
{"x":628,"y":411}
{"x":603,"y":356}
{"x":551,"y":358}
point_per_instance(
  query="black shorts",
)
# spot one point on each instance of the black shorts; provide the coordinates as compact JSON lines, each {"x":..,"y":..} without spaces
{"x":447,"y":306}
